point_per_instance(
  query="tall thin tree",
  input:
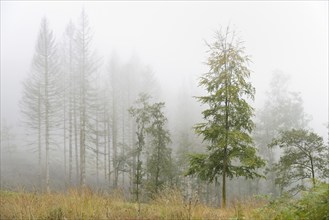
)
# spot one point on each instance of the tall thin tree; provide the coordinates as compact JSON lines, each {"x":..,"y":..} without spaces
{"x":228,"y":119}
{"x":68,"y":94}
{"x":86,"y":67}
{"x":44,"y":89}
{"x":141,"y":116}
{"x":159,"y":164}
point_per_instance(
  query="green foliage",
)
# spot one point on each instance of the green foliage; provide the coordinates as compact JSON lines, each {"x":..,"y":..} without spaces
{"x":151,"y":122}
{"x":282,"y":110}
{"x":199,"y":166}
{"x":304,"y":157}
{"x":159,"y":164}
{"x":141,"y":114}
{"x":228,"y":118}
{"x":313,"y":205}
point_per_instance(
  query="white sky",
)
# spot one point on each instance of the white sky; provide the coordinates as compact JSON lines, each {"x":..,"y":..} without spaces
{"x":169,"y":37}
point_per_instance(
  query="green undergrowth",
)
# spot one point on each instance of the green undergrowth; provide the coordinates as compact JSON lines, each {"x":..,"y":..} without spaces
{"x":313,"y":205}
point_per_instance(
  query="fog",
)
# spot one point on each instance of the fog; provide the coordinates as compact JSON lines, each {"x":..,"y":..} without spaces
{"x":168,"y":39}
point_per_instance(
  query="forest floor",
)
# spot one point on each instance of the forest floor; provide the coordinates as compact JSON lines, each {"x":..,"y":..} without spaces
{"x":87,"y":204}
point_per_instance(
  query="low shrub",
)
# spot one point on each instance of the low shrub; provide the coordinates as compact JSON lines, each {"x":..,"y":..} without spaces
{"x":313,"y":205}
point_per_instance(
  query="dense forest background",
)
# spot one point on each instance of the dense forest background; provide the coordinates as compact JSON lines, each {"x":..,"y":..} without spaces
{"x":113,"y":125}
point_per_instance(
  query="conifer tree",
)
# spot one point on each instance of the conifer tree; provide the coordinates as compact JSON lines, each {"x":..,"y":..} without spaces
{"x":228,"y":118}
{"x":159,"y":164}
{"x":86,"y":67}
{"x":41,"y":94}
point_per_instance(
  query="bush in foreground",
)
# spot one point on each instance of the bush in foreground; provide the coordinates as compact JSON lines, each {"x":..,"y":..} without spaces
{"x":313,"y":205}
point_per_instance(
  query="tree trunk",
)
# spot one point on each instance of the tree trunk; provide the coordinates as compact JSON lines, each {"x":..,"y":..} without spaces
{"x":109,"y":154}
{"x":312,"y":170}
{"x":105,"y":143}
{"x":97,"y":150}
{"x":225,"y":162}
{"x":114,"y":143}
{"x":75,"y":114}
{"x":82,"y":137}
{"x":123,"y":144}
{"x":82,"y":150}
{"x":70,"y":145}
{"x":139,"y":167}
{"x":64,"y":136}
{"x":46,"y":118}
{"x":134,"y":167}
{"x":224,"y":190}
{"x":70,"y":130}
{"x":83,"y":108}
{"x":39,"y":138}
{"x":70,"y":110}
{"x":157,"y":174}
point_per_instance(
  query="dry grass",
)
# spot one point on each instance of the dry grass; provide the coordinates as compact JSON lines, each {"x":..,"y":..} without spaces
{"x":86,"y":204}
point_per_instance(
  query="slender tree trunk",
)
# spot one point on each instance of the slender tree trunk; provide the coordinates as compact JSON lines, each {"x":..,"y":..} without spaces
{"x":138,"y":169}
{"x":70,"y":111}
{"x":226,"y":144}
{"x":133,"y":170}
{"x":227,"y":127}
{"x":114,"y":142}
{"x":105,"y":144}
{"x":312,"y":170}
{"x":123,"y":143}
{"x":70,"y":142}
{"x":77,"y":168}
{"x":109,"y":154}
{"x":47,"y":154}
{"x":46,"y":118}
{"x":70,"y":135}
{"x":39,"y":138}
{"x":224,"y":190}
{"x":157,"y":174}
{"x":207,"y":193}
{"x":82,"y":136}
{"x":82,"y":147}
{"x":64,"y":135}
{"x":83,"y":110}
{"x":97,"y":151}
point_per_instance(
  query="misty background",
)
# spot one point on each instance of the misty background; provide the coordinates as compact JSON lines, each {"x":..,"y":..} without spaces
{"x":168,"y":39}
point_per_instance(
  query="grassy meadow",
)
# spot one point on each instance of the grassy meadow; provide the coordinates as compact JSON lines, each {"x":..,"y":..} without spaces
{"x":86,"y":204}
